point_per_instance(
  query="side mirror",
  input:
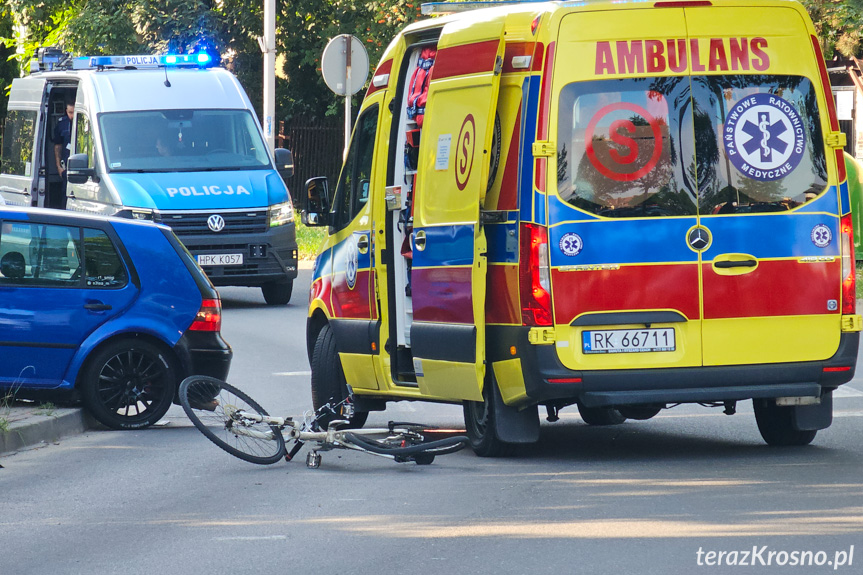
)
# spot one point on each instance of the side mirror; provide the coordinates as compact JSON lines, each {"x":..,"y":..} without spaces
{"x":316,"y":211}
{"x":78,"y":169}
{"x":284,"y":163}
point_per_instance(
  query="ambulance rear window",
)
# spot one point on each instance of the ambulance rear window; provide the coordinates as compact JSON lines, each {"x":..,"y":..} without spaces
{"x":651,"y":147}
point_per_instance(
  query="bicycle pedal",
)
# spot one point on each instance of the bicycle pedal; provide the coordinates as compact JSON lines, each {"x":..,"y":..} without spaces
{"x":313,"y":460}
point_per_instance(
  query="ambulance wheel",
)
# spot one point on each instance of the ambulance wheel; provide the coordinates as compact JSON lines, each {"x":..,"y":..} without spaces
{"x":600,"y":415}
{"x":328,"y":377}
{"x":278,"y":293}
{"x":776,"y":424}
{"x":479,"y":421}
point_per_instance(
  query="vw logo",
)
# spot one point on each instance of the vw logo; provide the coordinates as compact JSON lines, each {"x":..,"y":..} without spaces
{"x":216,"y":223}
{"x":698,"y":238}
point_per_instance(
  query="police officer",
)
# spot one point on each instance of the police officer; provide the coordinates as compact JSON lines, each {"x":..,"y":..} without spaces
{"x":62,"y":140}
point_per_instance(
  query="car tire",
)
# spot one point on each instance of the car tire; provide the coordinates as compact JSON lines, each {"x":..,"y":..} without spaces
{"x":775,"y":423}
{"x":278,"y":292}
{"x":479,"y":422}
{"x":328,"y":377}
{"x":600,"y":415}
{"x":129,"y":384}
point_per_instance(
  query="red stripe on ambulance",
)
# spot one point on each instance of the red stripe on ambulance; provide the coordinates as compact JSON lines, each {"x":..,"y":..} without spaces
{"x":676,"y":54}
{"x":473,"y":58}
{"x":504,"y":307}
{"x":452,"y":285}
{"x":775,"y":288}
{"x":351,"y":303}
{"x":630,"y":288}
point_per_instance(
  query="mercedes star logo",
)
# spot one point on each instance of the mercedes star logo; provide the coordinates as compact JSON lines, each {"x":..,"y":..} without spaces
{"x":216,"y":223}
{"x":699,"y":238}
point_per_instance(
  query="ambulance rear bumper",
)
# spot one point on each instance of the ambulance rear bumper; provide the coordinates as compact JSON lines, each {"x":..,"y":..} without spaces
{"x":543,"y":373}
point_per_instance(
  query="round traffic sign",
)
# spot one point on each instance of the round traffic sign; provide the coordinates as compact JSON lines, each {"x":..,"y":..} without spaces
{"x":334,"y":65}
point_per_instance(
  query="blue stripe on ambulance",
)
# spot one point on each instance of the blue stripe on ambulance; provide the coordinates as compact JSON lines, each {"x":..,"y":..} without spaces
{"x":446,"y":246}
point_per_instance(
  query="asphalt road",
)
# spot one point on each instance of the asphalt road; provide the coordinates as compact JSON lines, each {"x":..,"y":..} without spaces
{"x":643,"y":497}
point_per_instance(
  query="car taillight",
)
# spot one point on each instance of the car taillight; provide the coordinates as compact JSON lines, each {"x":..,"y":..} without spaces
{"x":534,"y":276}
{"x":849,"y":280}
{"x":209,"y":317}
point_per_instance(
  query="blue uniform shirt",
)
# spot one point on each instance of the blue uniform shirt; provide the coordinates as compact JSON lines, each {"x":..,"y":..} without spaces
{"x":63,"y":136}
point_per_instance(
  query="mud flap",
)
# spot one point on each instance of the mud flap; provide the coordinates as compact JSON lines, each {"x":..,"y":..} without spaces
{"x":513,"y":425}
{"x":809,"y":417}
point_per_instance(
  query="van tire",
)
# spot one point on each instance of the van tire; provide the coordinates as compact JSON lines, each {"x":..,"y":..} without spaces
{"x":639,"y":412}
{"x":123,"y":375}
{"x":278,"y":292}
{"x":600,"y":415}
{"x":776,"y":424}
{"x":479,"y":422}
{"x":328,"y":377}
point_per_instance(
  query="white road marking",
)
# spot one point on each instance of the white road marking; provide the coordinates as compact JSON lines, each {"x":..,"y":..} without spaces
{"x":848,"y":414}
{"x":260,"y":538}
{"x":846,"y":391}
{"x":293,"y":373}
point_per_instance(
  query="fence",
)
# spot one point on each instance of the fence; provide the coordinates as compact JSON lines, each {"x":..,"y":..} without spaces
{"x":317,"y":147}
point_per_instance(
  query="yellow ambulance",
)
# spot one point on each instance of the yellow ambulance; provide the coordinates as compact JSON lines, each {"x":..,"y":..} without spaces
{"x":619,"y":206}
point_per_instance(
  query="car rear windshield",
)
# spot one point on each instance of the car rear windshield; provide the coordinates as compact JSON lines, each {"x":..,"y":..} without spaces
{"x":182,"y":141}
{"x":678,"y":146}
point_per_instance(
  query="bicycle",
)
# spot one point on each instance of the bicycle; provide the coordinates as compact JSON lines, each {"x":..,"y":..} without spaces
{"x":235,"y":422}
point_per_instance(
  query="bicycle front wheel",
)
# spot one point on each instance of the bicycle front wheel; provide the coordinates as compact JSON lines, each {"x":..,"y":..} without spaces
{"x":212,"y":405}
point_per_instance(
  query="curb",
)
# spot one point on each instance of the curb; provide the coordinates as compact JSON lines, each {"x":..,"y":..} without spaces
{"x":33,"y":429}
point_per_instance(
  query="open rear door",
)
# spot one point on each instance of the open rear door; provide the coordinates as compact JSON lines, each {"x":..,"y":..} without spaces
{"x":449,"y":246}
{"x":22,"y":154}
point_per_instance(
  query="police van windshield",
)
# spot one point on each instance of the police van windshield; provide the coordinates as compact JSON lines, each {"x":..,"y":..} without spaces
{"x":182,"y":141}
{"x":677,"y":146}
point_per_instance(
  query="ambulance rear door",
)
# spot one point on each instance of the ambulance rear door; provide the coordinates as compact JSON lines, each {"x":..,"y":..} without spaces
{"x":768,"y":188}
{"x":624,"y":273}
{"x":449,"y":245}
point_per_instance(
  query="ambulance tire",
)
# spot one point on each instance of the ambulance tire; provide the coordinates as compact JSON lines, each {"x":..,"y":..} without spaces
{"x":278,"y":293}
{"x":639,"y":412}
{"x":479,"y":422}
{"x":328,"y":377}
{"x":600,"y":415}
{"x":776,"y":424}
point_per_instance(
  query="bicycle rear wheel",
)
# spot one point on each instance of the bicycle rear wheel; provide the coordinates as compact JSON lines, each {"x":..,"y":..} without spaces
{"x":403,"y":448}
{"x":210,"y":403}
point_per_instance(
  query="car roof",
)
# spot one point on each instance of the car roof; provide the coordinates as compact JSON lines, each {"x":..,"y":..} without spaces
{"x":23,"y":214}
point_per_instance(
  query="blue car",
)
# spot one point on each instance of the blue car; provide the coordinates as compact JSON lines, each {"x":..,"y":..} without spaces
{"x":114,"y":311}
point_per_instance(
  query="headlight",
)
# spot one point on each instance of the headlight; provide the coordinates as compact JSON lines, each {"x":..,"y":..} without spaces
{"x":139,"y":214}
{"x":281,"y":214}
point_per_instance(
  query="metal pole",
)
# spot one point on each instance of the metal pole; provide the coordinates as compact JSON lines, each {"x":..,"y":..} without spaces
{"x":348,"y":48}
{"x":268,"y":47}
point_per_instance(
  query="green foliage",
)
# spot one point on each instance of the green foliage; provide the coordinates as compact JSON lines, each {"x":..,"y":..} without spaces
{"x":309,"y":240}
{"x":838,"y":24}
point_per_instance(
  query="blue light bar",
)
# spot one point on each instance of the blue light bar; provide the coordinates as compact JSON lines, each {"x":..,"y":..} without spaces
{"x":147,"y":61}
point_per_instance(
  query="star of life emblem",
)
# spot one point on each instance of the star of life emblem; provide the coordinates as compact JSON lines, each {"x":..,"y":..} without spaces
{"x":351,"y":262}
{"x":571,"y":244}
{"x":764,"y":137}
{"x":821,"y":236}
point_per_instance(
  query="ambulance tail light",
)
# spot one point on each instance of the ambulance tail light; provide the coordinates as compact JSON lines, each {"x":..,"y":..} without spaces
{"x":209,"y":317}
{"x":849,"y":280}
{"x":534,"y":276}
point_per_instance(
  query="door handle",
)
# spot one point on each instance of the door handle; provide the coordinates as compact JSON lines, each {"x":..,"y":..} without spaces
{"x":420,"y":240}
{"x":97,"y":306}
{"x":363,"y":244}
{"x":736,"y":264}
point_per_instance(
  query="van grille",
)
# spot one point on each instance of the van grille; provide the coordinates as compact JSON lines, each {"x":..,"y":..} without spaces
{"x":195,"y":223}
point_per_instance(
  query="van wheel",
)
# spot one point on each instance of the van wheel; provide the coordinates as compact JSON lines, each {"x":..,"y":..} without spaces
{"x":128,"y":384}
{"x":328,"y":377}
{"x":278,"y":292}
{"x":600,"y":415}
{"x":776,"y":425}
{"x":479,"y":421}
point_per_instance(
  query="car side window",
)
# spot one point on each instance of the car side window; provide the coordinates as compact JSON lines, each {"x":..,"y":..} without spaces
{"x":18,"y":142}
{"x":39,"y":255}
{"x":352,"y":193}
{"x":103,"y":267}
{"x":84,"y":137}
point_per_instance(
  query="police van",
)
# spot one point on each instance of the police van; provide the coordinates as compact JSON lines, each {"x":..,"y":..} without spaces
{"x":170,"y":138}
{"x":617,"y":206}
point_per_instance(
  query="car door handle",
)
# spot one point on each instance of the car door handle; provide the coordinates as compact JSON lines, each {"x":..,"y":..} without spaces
{"x":420,"y":240}
{"x":97,"y":306}
{"x":736,"y":264}
{"x":363,"y":244}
